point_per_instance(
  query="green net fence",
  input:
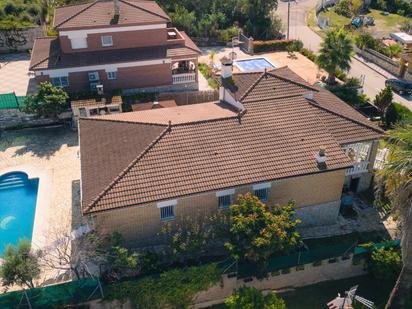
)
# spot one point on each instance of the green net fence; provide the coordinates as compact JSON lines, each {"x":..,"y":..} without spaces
{"x":54,"y":296}
{"x":9,"y":100}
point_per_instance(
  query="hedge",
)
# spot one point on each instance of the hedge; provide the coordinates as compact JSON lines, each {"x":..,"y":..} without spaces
{"x":274,"y":45}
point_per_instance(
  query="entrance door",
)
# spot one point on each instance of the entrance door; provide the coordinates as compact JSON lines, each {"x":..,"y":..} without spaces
{"x":354,"y":184}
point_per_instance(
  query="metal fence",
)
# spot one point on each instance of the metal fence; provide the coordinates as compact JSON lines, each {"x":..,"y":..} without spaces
{"x":191,"y":97}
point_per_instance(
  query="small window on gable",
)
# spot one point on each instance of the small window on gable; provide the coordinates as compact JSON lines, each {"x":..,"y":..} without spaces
{"x":225,"y":201}
{"x":225,"y":198}
{"x":262,"y":194}
{"x":112,"y":75}
{"x":167,"y":210}
{"x":60,"y":82}
{"x":261,"y":191}
{"x":107,"y":40}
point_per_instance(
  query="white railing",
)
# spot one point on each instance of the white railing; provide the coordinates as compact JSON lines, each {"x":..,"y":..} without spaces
{"x":381,"y":157}
{"x":358,"y":167}
{"x":184,"y":78}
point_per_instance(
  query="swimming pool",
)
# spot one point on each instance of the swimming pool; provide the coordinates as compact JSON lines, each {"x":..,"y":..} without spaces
{"x":18,"y":195}
{"x":256,"y":64}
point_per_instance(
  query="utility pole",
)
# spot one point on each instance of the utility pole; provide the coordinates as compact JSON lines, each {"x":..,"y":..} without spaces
{"x":288,"y":18}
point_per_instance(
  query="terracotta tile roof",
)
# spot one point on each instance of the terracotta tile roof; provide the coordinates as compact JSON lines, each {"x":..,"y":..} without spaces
{"x":150,"y":105}
{"x":177,"y":115}
{"x":47,"y":54}
{"x":100,"y":167}
{"x":100,"y":14}
{"x":277,"y":137}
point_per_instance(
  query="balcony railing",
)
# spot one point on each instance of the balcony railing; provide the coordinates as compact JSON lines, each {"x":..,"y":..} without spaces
{"x":184,"y":78}
{"x":358,"y":167}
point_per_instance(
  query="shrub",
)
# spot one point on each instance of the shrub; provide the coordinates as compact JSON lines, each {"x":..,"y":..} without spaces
{"x":397,"y":113}
{"x":344,"y":8}
{"x":308,"y":54}
{"x":269,"y":46}
{"x":385,"y":264}
{"x":249,"y":297}
{"x":172,"y":289}
{"x":226,"y":35}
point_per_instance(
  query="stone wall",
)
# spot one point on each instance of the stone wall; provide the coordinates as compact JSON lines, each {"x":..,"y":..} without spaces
{"x":20,"y":39}
{"x":10,"y":118}
{"x":379,"y":59}
{"x":323,"y":214}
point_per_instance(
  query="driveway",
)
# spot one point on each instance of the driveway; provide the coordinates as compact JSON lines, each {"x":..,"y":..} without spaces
{"x":374,"y":81}
{"x":14,"y":74}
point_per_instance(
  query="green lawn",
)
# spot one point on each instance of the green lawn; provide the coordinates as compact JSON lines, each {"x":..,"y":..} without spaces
{"x":383,"y":24}
{"x":316,"y":296}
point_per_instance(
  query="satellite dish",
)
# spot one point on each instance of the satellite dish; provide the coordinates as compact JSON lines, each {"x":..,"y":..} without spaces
{"x":232,"y":56}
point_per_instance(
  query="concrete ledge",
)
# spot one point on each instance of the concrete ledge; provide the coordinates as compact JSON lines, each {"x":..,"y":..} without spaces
{"x":322,"y":214}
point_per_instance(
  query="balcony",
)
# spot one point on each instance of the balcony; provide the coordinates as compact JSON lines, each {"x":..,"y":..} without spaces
{"x":358,"y":168}
{"x":183,"y":78}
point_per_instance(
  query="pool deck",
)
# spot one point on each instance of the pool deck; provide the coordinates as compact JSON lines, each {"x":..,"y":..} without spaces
{"x":299,"y":63}
{"x":51,"y":154}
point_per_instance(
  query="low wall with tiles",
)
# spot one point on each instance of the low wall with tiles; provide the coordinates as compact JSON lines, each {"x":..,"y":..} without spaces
{"x":332,"y":269}
{"x":13,"y":118}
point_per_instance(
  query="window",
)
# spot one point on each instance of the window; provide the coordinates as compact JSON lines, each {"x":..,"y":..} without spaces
{"x":225,"y":201}
{"x":261,"y":191}
{"x":225,"y":198}
{"x":112,"y":75}
{"x":60,"y":82}
{"x":261,"y":194}
{"x":107,"y":40}
{"x":93,"y":86}
{"x":93,"y":76}
{"x":167,"y":210}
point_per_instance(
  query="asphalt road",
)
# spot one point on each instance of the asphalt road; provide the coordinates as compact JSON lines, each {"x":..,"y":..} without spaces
{"x":374,"y":81}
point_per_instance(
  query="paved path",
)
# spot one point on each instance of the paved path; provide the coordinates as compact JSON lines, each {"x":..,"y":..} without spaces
{"x":374,"y":76}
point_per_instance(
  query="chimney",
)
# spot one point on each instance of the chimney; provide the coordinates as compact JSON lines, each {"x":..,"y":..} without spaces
{"x":227,"y":67}
{"x":155,"y":104}
{"x":116,"y":8}
{"x":321,"y":157}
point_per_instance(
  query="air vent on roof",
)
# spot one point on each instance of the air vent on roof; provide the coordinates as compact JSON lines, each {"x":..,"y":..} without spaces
{"x":308,"y":95}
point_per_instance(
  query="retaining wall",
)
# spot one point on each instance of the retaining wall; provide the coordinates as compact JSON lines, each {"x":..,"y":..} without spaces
{"x":379,"y":59}
{"x":20,"y":39}
{"x":332,"y":269}
{"x":10,"y":118}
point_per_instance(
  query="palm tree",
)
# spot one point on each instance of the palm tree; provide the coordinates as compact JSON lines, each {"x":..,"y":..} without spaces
{"x":335,"y":53}
{"x":396,"y":177}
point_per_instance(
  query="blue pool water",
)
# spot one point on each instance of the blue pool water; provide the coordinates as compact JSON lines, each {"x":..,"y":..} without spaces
{"x":257,"y":64}
{"x":18,"y":196}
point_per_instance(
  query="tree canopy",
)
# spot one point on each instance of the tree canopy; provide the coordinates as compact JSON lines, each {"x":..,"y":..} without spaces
{"x":335,"y":53}
{"x":49,"y":101}
{"x":20,"y":266}
{"x":257,"y":231}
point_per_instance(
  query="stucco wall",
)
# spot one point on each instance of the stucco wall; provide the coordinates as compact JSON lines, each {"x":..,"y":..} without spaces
{"x":126,"y":39}
{"x":141,"y":222}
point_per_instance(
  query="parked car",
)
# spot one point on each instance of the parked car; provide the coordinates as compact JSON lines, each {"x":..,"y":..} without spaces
{"x":368,"y":21}
{"x":357,"y":22}
{"x":399,"y":85}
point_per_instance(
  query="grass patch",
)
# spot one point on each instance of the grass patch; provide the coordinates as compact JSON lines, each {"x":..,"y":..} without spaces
{"x":334,"y":19}
{"x":388,"y":23}
{"x":312,"y":23}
